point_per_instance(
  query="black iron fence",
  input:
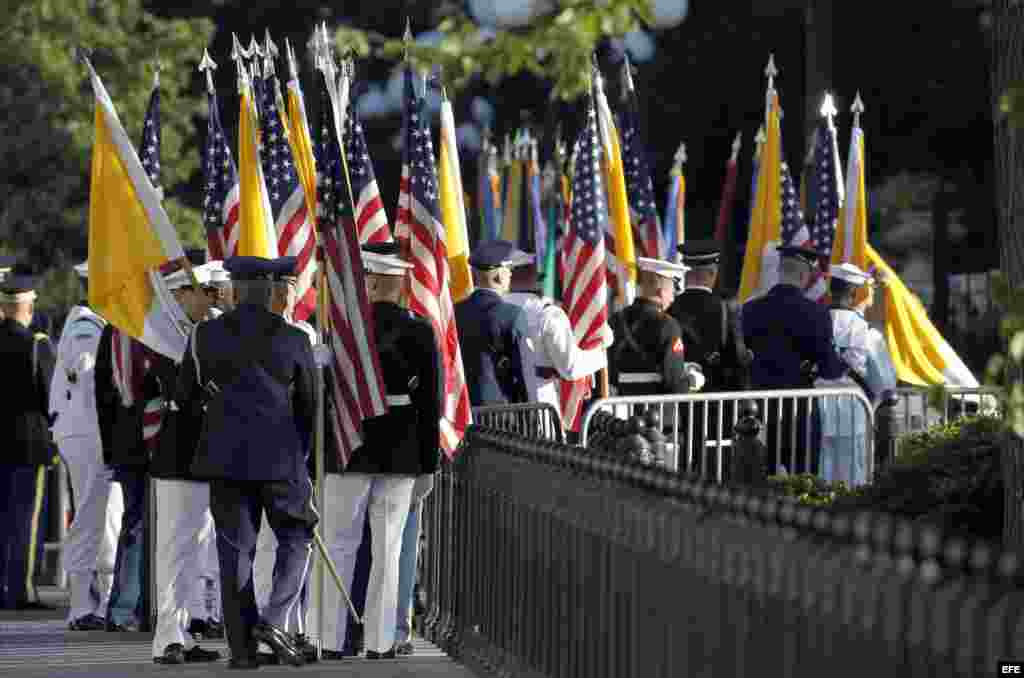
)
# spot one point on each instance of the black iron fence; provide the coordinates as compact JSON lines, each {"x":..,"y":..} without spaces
{"x":547,"y":560}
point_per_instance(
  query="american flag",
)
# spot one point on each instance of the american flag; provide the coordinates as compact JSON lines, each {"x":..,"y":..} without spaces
{"x":585,"y":294}
{"x":294,"y":224}
{"x":402,"y":214}
{"x":371,"y":220}
{"x":356,"y":384}
{"x":826,"y":186}
{"x":220,"y":190}
{"x":792,"y":217}
{"x":644,"y":212}
{"x":430,"y":293}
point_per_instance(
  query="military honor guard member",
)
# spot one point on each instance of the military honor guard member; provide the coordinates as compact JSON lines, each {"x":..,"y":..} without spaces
{"x":493,"y":332}
{"x":648,"y":356}
{"x":398,"y":448}
{"x":843,"y":422}
{"x":712,"y":341}
{"x":27,"y":361}
{"x":552,"y":353}
{"x":255,"y":374}
{"x":91,"y":542}
{"x":791,"y":338}
{"x":184,"y":521}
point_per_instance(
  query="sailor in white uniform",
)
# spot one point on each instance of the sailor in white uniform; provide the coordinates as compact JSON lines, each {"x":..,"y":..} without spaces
{"x":91,"y":543}
{"x":552,"y":353}
{"x":862,"y":348}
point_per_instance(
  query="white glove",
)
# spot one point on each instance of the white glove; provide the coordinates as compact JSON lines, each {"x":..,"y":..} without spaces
{"x":322,"y":355}
{"x":697,"y":379}
{"x":607,"y":336}
{"x":422,"y":487}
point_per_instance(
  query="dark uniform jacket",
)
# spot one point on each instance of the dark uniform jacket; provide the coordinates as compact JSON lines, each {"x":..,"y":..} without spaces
{"x":407,"y":439}
{"x":491,"y":333}
{"x":648,"y":349}
{"x":256,"y":375}
{"x":711,"y":338}
{"x":179,"y":433}
{"x":120,"y":426}
{"x":25,"y":416}
{"x":785,"y":329}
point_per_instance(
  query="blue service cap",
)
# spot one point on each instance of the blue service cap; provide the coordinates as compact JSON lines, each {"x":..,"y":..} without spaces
{"x":259,"y":268}
{"x":498,"y":254}
{"x":19,"y":279}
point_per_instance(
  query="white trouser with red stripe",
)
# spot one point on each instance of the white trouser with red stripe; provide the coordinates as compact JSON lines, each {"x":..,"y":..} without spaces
{"x":91,"y":544}
{"x":347,"y":499}
{"x":183,"y":525}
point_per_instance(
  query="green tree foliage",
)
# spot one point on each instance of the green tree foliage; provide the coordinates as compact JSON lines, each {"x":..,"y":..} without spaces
{"x":47,"y":127}
{"x":557,"y":47}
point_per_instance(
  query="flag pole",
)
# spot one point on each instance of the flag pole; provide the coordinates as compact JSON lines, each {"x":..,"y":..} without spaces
{"x":603,"y":385}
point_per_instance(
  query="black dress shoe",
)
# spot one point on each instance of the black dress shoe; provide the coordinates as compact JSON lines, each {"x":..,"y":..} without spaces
{"x":198,"y":654}
{"x":306,"y":648}
{"x":173,"y":654}
{"x":244,"y":664}
{"x":334,"y":656}
{"x":89,"y":622}
{"x":279,"y":642}
{"x":114,"y":627}
{"x":209,"y":629}
{"x":390,"y":654}
{"x":355,"y":642}
{"x":404,"y":649}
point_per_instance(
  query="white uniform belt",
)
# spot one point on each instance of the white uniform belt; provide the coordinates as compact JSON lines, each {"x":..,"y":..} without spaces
{"x":639,"y":377}
{"x":397,"y":400}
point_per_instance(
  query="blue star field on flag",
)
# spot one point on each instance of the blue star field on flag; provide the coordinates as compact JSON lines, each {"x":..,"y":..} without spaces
{"x":638,"y":172}
{"x":219,"y":172}
{"x":792,"y":217}
{"x":422,"y":171}
{"x":275,"y":152}
{"x":825,"y":180}
{"x":589,"y":211}
{"x":329,"y":177}
{"x":149,"y":147}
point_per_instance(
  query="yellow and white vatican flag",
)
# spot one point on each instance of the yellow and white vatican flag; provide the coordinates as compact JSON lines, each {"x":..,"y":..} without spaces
{"x":453,"y":207}
{"x":920,"y":354}
{"x":760,"y":262}
{"x":130,"y":238}
{"x":257,"y":235}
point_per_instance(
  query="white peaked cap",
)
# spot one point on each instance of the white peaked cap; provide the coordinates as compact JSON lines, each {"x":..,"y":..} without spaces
{"x":385,"y":264}
{"x":663,"y":268}
{"x":851,"y":274}
{"x":181,"y":278}
{"x":218,"y":274}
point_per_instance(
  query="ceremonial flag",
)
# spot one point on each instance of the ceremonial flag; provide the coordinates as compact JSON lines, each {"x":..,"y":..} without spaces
{"x":130,"y":237}
{"x":453,"y":210}
{"x":511,"y":219}
{"x":402,"y":215}
{"x":488,"y":192}
{"x":292,"y":220}
{"x":643,"y":210}
{"x":621,"y":253}
{"x":760,"y":262}
{"x":825,"y":188}
{"x":919,"y":353}
{"x":585,"y":295}
{"x":675,"y":207}
{"x":724,"y":231}
{"x":371,"y":219}
{"x":256,"y":234}
{"x":850,"y":245}
{"x":430,"y":291}
{"x":755,"y":173}
{"x":538,"y":222}
{"x":356,"y":387}
{"x":220,"y":189}
{"x":299,"y":136}
{"x":551,"y":202}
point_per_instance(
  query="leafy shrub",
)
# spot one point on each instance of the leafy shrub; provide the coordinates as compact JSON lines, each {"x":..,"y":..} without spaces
{"x":809,"y":489}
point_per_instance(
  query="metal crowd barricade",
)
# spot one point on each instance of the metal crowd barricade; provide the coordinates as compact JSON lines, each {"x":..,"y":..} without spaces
{"x":702,"y":423}
{"x":913,"y":411}
{"x":533,"y":420}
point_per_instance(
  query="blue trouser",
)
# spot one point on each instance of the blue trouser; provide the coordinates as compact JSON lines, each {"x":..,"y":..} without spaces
{"x":127,"y":602}
{"x":19,"y":486}
{"x":407,"y":574}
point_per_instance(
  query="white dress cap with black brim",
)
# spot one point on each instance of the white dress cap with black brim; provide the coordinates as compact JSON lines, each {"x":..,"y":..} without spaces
{"x":851,"y":274}
{"x":666,"y":269}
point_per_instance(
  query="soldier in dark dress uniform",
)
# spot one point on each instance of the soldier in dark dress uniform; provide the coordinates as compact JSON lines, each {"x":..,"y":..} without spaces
{"x":27,"y":361}
{"x":400,"y":451}
{"x":256,"y":374}
{"x":712,"y":341}
{"x":791,"y":338}
{"x":493,"y":332}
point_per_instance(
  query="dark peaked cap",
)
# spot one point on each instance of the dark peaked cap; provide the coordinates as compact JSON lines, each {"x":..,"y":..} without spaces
{"x":258,"y":268}
{"x":700,"y":252}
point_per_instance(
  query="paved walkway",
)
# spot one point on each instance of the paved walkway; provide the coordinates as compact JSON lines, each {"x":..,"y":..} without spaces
{"x":34,"y":645}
